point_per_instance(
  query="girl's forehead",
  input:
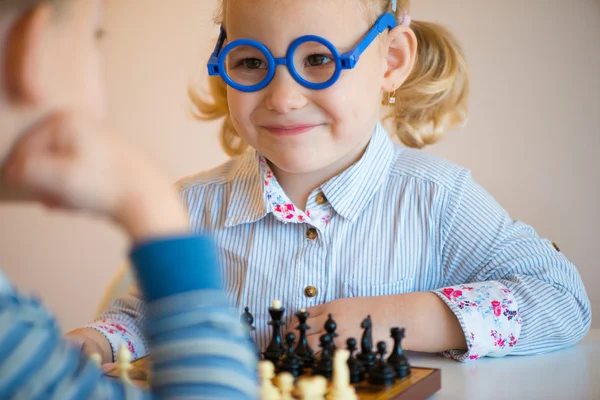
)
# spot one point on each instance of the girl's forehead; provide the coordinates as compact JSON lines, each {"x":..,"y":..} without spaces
{"x":285,"y":20}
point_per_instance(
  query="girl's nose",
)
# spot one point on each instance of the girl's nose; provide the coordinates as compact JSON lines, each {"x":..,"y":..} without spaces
{"x":284,"y":94}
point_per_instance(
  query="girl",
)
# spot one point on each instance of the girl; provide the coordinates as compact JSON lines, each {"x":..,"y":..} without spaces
{"x":321,"y":210}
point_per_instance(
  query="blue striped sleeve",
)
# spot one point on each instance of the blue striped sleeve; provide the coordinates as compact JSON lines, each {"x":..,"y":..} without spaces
{"x":36,"y":363}
{"x":199,"y":348}
{"x":480,"y":243}
{"x":176,"y":265}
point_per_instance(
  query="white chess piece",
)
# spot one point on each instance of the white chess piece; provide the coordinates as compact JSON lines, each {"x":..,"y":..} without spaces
{"x":313,"y":388}
{"x":266,"y":372}
{"x":124,"y":363}
{"x":285,"y":383}
{"x":341,"y":388}
{"x":96,"y":359}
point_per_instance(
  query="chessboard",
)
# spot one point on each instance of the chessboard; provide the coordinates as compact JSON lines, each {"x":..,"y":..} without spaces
{"x":294,"y":370}
{"x":420,"y":384}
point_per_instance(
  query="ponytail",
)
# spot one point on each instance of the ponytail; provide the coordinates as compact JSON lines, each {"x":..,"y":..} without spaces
{"x":434,"y":97}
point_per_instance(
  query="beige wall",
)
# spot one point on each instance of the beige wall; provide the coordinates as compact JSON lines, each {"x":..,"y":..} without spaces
{"x":531,"y":141}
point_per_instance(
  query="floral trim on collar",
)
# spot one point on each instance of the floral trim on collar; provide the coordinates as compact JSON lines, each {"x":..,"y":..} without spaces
{"x":282,"y":207}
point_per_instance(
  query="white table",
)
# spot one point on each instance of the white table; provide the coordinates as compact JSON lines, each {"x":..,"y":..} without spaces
{"x":569,"y":374}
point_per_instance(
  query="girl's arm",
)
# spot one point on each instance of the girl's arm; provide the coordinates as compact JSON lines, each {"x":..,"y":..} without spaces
{"x":511,"y":291}
{"x":122,"y":323}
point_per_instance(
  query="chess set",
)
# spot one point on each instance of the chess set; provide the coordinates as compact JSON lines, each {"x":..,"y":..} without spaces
{"x":293,"y":370}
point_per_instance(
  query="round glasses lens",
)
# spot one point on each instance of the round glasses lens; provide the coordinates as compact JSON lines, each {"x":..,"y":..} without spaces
{"x":314,"y":62}
{"x":246,"y":65}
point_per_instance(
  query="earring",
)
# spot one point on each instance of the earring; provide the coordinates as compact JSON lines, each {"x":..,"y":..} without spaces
{"x":392,"y":96}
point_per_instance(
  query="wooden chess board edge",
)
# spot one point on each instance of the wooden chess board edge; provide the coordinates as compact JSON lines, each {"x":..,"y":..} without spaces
{"x":425,"y":388}
{"x":421,"y":384}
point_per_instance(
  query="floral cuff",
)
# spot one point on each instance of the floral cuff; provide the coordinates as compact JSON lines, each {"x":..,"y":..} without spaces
{"x":489,"y":316}
{"x":117,"y":335}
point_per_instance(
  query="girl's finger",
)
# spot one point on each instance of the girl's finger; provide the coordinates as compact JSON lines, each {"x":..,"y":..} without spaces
{"x":316,"y":324}
{"x":108,"y":367}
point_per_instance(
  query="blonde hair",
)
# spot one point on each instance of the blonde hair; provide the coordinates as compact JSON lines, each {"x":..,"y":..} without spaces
{"x":432,"y":100}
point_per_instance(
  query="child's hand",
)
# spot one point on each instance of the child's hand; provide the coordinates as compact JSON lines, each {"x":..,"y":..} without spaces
{"x":90,"y":341}
{"x":385,"y":311}
{"x":430,"y":325}
{"x":75,"y":164}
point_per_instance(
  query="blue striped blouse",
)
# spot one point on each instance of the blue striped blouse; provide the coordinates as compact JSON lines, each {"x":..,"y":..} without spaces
{"x":401,"y":220}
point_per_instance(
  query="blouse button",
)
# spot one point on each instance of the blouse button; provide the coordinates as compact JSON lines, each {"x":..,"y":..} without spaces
{"x":310,"y":291}
{"x":321,"y":199}
{"x":311,"y":233}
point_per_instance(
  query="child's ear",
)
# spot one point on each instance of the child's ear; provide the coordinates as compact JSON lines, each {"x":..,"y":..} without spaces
{"x":401,"y":56}
{"x":24,"y":56}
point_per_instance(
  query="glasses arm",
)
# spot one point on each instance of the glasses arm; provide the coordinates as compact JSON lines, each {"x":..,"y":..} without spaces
{"x":386,"y":21}
{"x":213,"y":62}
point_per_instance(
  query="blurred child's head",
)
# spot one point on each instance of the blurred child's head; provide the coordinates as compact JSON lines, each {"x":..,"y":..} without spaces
{"x":422,"y":64}
{"x":49,"y":61}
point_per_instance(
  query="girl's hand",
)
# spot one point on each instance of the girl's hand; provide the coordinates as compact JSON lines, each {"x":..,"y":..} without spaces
{"x":386,"y":312}
{"x":90,"y":341}
{"x":430,"y":325}
{"x":74,"y":164}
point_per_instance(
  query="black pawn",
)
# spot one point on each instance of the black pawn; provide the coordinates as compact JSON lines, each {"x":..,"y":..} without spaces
{"x":367,"y":356}
{"x":330,"y":327}
{"x":382,"y":373}
{"x":324,"y":366}
{"x":357,"y":371}
{"x":247,"y":320}
{"x":398,"y":359}
{"x":303,"y":350}
{"x":275,"y":349}
{"x":290,"y":362}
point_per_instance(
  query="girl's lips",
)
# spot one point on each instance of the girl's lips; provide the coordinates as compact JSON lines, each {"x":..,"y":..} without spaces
{"x":289,"y":130}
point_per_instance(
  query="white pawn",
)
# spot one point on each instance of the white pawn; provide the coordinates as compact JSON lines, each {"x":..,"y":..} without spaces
{"x":266,"y":372}
{"x":341,"y":388}
{"x":96,"y":359}
{"x":285,"y":383}
{"x":124,"y":363}
{"x":313,"y":388}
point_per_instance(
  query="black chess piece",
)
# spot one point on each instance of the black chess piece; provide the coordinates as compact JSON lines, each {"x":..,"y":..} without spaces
{"x":324,"y":365}
{"x":367,"y":356}
{"x":290,"y":362}
{"x":303,"y":350}
{"x":275,"y":349}
{"x":247,"y":320}
{"x":382,"y":373}
{"x":330,"y":327}
{"x":357,"y":371}
{"x":397,"y":358}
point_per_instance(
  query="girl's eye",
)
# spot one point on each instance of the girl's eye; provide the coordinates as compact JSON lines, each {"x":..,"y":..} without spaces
{"x":253,"y":63}
{"x":317,"y":60}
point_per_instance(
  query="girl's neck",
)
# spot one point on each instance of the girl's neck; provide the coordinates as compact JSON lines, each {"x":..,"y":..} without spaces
{"x":299,"y":186}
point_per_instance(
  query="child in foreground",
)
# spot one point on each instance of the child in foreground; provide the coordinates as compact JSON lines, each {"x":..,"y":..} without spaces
{"x":54,"y":149}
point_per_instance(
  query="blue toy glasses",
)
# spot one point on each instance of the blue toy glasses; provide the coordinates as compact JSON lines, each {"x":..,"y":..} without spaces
{"x":248,"y":66}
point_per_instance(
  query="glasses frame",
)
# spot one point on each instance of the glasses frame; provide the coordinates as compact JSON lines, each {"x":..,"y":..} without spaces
{"x":348,"y":60}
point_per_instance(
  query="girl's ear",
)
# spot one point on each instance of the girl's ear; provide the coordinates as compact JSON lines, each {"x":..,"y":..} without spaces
{"x":23,"y":56}
{"x":401,"y":57}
